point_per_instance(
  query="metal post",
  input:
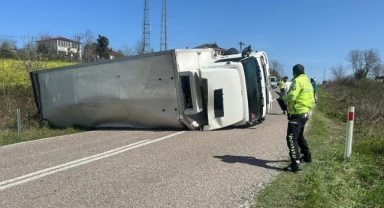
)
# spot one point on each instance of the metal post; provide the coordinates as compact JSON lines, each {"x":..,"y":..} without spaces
{"x":18,"y":123}
{"x":324,"y":76}
{"x":348,"y":144}
{"x":241,"y":46}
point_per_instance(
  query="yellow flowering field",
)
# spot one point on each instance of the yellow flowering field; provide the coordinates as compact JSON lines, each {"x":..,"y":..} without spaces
{"x":15,"y":72}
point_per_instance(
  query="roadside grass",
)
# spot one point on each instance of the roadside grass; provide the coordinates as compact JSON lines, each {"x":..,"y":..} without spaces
{"x":8,"y":137}
{"x":16,"y":93}
{"x":329,"y":181}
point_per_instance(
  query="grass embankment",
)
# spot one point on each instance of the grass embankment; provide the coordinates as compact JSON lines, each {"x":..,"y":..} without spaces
{"x":16,"y":93}
{"x":329,"y":181}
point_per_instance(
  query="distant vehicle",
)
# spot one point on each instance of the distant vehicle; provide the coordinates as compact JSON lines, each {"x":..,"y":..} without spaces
{"x":274,"y":82}
{"x":178,"y":89}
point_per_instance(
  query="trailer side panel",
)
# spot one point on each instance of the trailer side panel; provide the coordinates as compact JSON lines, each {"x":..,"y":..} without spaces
{"x":135,"y":92}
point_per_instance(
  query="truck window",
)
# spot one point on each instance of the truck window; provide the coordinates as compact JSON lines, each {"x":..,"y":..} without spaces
{"x":252,"y":79}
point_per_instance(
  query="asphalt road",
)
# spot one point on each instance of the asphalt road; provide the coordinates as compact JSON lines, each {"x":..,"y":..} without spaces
{"x":144,"y":168}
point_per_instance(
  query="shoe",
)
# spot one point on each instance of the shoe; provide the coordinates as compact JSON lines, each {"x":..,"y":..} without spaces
{"x":306,"y":158}
{"x":283,"y":112}
{"x":293,"y":167}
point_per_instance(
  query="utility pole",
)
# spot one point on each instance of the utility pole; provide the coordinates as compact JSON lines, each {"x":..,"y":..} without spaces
{"x":164,"y":35}
{"x":324,"y":76}
{"x":241,"y":46}
{"x":146,"y":30}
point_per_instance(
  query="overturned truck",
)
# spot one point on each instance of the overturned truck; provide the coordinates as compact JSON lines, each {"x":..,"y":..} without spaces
{"x":176,"y":89}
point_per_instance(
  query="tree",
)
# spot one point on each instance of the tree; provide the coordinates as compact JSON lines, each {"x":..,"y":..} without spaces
{"x":102,"y":47}
{"x":7,"y":48}
{"x":139,"y":47}
{"x":363,"y":62}
{"x":79,"y":39}
{"x":89,"y":46}
{"x":30,"y":58}
{"x":120,"y":53}
{"x":127,"y":51}
{"x":44,"y":44}
{"x":338,"y":72}
{"x":276,"y":68}
{"x":90,"y":51}
{"x":378,"y":70}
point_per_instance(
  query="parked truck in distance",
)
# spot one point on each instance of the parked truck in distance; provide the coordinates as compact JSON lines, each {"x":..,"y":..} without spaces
{"x":175,"y":89}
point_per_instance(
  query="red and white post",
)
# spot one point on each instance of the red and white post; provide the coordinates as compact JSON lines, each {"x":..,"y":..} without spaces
{"x":348,"y":144}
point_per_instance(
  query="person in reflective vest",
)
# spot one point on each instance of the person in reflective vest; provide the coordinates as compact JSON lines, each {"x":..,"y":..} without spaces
{"x":281,"y":86}
{"x":300,"y":102}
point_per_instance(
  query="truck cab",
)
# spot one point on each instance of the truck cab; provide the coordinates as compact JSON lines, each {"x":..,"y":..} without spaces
{"x":234,"y":90}
{"x":262,"y":67}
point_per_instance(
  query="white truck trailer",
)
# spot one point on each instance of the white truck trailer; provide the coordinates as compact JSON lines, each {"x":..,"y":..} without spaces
{"x":175,"y":89}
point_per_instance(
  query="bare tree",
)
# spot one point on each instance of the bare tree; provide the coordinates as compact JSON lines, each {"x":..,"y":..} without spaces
{"x":378,"y":70}
{"x":127,"y":51}
{"x":139,"y":47}
{"x":29,"y":56}
{"x":338,"y":72}
{"x":89,"y":46}
{"x":89,"y":37}
{"x":276,"y":68}
{"x":363,"y":61}
{"x":79,"y":41}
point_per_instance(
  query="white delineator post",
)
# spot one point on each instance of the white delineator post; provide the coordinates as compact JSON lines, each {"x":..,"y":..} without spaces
{"x":348,"y":144}
{"x":18,"y":123}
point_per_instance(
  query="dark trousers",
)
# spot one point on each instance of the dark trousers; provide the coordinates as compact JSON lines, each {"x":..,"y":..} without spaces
{"x":295,"y":137}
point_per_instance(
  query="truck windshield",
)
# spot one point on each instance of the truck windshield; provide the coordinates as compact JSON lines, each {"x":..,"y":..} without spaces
{"x":273,"y":79}
{"x":252,"y":79}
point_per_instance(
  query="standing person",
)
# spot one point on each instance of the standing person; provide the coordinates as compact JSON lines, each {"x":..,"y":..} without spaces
{"x":281,"y":86}
{"x":300,"y":102}
{"x":287,"y":84}
{"x":313,"y":82}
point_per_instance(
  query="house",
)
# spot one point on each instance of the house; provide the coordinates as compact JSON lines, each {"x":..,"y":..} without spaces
{"x":61,"y":46}
{"x":217,"y":49}
{"x":379,"y":78}
{"x":113,"y":54}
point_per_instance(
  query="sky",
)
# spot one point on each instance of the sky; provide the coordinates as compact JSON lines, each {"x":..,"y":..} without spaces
{"x":316,"y":34}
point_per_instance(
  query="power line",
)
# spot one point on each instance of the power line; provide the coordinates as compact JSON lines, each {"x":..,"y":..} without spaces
{"x":14,"y":36}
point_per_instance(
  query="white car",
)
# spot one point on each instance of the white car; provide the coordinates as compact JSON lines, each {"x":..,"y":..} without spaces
{"x":273,"y":82}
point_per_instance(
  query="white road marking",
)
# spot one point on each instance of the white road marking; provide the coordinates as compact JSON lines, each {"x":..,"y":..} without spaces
{"x":49,"y":171}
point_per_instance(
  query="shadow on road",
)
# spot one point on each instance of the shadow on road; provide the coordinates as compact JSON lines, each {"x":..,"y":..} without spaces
{"x":250,"y":161}
{"x":276,"y":114}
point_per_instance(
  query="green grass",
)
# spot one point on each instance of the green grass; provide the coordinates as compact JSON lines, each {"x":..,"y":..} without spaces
{"x":329,"y":181}
{"x":10,"y":136}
